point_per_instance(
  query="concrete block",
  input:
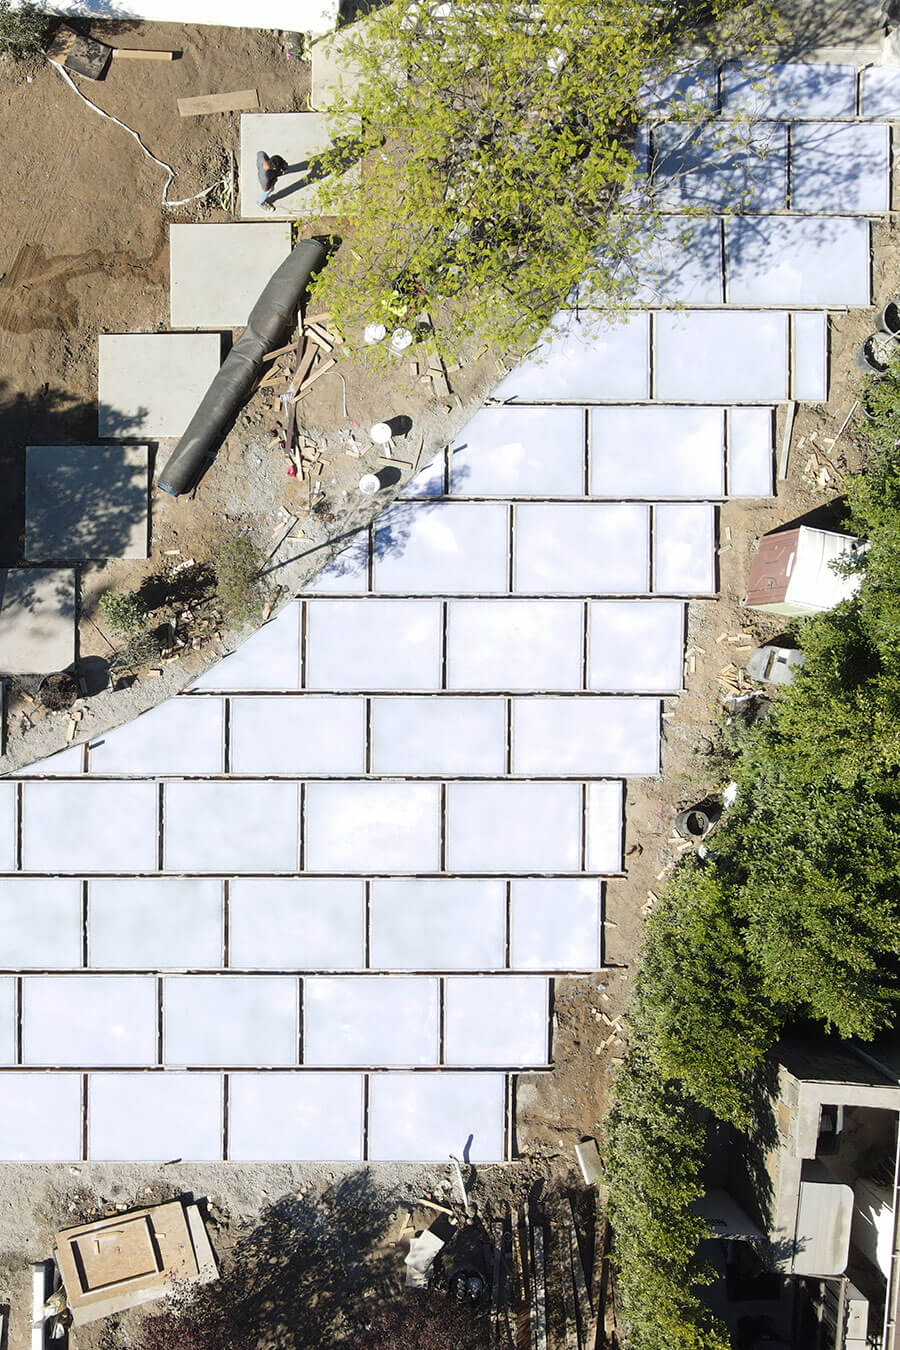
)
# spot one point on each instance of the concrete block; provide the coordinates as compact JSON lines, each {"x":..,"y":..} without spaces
{"x":298,"y":137}
{"x":500,"y":1020}
{"x":443,"y":547}
{"x":302,"y":923}
{"x":519,"y":452}
{"x":7,"y":1019}
{"x":555,"y":925}
{"x":369,"y":1020}
{"x":416,"y":1117}
{"x":514,"y":827}
{"x":809,"y":359}
{"x":797,"y":260}
{"x":373,"y":644}
{"x":446,"y":736}
{"x":751,"y":439}
{"x":7,"y":827}
{"x":717,"y":356}
{"x":155,"y":923}
{"x":151,"y":384}
{"x":217,"y":272}
{"x":582,"y":548}
{"x":347,"y":573}
{"x":684,"y":560}
{"x":671,"y":452}
{"x":154,"y":1117}
{"x":635,"y":646}
{"x":372,"y":827}
{"x":182,"y":736}
{"x":231,"y":827}
{"x":37,"y":620}
{"x":40,"y":923}
{"x":269,"y":660}
{"x":605,"y":826}
{"x":844,"y":166}
{"x":296,"y":1117}
{"x":790,"y":91}
{"x":84,"y":1021}
{"x":743,"y":167}
{"x":85,"y":502}
{"x":515,"y":644}
{"x":300,"y":736}
{"x":90,"y":827}
{"x":438,"y":925}
{"x":584,"y":361}
{"x":587,"y":737}
{"x":41,"y":1117}
{"x":222,"y":1020}
{"x":64,"y":764}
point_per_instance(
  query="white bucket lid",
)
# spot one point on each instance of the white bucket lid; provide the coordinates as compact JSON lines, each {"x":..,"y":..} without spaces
{"x":369,"y":484}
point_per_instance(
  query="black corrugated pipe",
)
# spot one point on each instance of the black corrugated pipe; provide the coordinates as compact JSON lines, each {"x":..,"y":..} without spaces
{"x":266,"y":327}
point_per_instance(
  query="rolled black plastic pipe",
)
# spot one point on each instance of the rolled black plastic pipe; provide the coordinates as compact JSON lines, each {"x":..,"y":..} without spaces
{"x":269,"y":320}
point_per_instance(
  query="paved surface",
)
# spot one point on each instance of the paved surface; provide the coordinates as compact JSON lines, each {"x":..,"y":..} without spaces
{"x":85,"y":501}
{"x":37,"y":620}
{"x":150,"y":384}
{"x":217,"y":272}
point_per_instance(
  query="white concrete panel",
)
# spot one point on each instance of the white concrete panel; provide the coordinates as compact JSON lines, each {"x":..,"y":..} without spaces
{"x":298,"y":137}
{"x":7,"y":1019}
{"x":514,"y":644}
{"x":809,"y":364}
{"x":285,"y":923}
{"x":555,"y":925}
{"x":89,"y":1020}
{"x":721,"y":166}
{"x":438,"y":736}
{"x":85,"y":502}
{"x":302,"y":1117}
{"x":217,"y":272}
{"x":309,"y":735}
{"x":150,"y":923}
{"x":231,"y":827}
{"x":181,"y":736}
{"x":347,"y":573}
{"x":582,"y":548}
{"x":373,"y":644}
{"x":425,"y":1117}
{"x":588,"y":737}
{"x":690,"y":85}
{"x":37,"y":619}
{"x":844,"y":166}
{"x":712,"y":356}
{"x":89,"y":827}
{"x":7,"y":826}
{"x":790,"y":91}
{"x":881,"y":92}
{"x":151,"y":384}
{"x":269,"y":660}
{"x":797,"y":260}
{"x":155,"y":1117}
{"x":370,"y":1021}
{"x":438,"y":925}
{"x":657,"y":452}
{"x":64,"y":764}
{"x":40,"y":922}
{"x":635,"y":646}
{"x":519,"y":452}
{"x":230,"y":1020}
{"x":587,"y":360}
{"x":41,"y":1118}
{"x":751,"y":450}
{"x":495,"y":1020}
{"x":514,"y":827}
{"x":311,"y":16}
{"x":684,"y":548}
{"x":680,"y":263}
{"x":605,"y":822}
{"x":372,"y":827}
{"x":428,"y":482}
{"x":427,"y":548}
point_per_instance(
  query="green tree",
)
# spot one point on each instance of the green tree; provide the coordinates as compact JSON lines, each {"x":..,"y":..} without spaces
{"x":23,"y":31}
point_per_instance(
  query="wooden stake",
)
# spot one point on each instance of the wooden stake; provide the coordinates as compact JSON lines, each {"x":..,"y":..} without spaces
{"x":786,"y":441}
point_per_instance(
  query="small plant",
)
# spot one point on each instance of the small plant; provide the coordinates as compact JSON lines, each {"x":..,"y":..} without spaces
{"x":124,"y":611}
{"x":239,"y":587}
{"x":23,"y":31}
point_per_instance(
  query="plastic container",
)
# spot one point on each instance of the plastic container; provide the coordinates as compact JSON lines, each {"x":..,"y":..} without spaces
{"x":369,"y":484}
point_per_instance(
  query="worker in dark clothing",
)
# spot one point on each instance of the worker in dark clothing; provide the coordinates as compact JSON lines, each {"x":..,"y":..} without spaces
{"x":269,"y":169}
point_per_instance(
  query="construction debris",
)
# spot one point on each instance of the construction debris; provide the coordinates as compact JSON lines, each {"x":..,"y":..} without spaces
{"x":244,"y":100}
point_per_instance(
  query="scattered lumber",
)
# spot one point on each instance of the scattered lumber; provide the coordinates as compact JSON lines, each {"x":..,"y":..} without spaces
{"x":243,"y":100}
{"x":142,"y":54}
{"x":786,"y":440}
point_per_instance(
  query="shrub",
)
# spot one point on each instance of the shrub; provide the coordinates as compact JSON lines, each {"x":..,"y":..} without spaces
{"x":124,"y":612}
{"x":22,"y":31}
{"x":240,"y":589}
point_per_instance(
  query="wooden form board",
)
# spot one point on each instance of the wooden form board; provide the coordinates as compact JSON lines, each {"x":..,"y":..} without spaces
{"x":244,"y":100}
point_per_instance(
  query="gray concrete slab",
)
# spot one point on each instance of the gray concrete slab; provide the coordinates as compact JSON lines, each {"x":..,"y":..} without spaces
{"x":297,"y":137}
{"x":217,"y":272}
{"x":151,"y":383}
{"x":37,"y":620}
{"x":85,"y":501}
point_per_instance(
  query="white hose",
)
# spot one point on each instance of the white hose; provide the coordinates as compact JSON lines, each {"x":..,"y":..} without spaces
{"x":170,"y":172}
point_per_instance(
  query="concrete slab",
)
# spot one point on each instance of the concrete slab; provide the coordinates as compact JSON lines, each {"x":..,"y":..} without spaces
{"x":37,"y":620}
{"x":494,"y":1020}
{"x":300,"y":736}
{"x":717,"y":356}
{"x":809,"y":357}
{"x":41,"y":1118}
{"x":582,"y":548}
{"x":8,"y":827}
{"x":797,"y":261}
{"x":370,"y":1021}
{"x":790,"y":91}
{"x":584,"y":360}
{"x":751,"y":431}
{"x":89,"y":827}
{"x":231,"y":827}
{"x":441,"y":736}
{"x":85,"y":502}
{"x":297,"y":1117}
{"x":519,"y":452}
{"x":680,"y":263}
{"x":585,"y":737}
{"x":221,"y":1020}
{"x":298,"y":137}
{"x":605,"y":827}
{"x":428,"y":482}
{"x":438,"y":925}
{"x":555,"y":925}
{"x":635,"y":646}
{"x":657,"y":452}
{"x":7,"y":1019}
{"x":374,"y":644}
{"x":64,"y":764}
{"x":372,"y":827}
{"x":881,"y":92}
{"x":742,"y":166}
{"x":182,"y":736}
{"x":151,"y":384}
{"x":298,"y":923}
{"x":154,"y":923}
{"x":40,"y":923}
{"x":89,"y":1021}
{"x":155,"y":1117}
{"x":684,"y":548}
{"x":692,"y":85}
{"x":514,"y":827}
{"x":442,"y":547}
{"x":515,"y":644}
{"x":269,"y":660}
{"x":842,"y":167}
{"x":217,"y":272}
{"x":418,"y":1117}
{"x":347,"y":573}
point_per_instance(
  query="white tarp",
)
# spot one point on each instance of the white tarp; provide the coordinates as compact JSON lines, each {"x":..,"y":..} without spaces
{"x":317,"y":17}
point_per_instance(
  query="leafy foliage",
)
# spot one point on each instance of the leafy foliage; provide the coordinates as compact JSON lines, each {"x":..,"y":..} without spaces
{"x":498,"y":167}
{"x":239,"y":586}
{"x":23,"y":31}
{"x":124,"y":611}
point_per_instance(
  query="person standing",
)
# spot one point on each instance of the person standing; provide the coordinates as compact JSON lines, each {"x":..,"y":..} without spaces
{"x":269,"y":169}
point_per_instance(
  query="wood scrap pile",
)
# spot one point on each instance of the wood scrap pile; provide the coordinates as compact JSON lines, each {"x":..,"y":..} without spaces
{"x":294,"y":370}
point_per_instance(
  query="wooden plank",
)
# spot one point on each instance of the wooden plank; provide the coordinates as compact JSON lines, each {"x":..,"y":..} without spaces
{"x":317,"y":375}
{"x":786,"y":441}
{"x":243,"y":100}
{"x":539,"y":1306}
{"x":141,"y":54}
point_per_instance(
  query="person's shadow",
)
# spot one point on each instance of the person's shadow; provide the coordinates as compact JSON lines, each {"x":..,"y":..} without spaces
{"x":338,"y":159}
